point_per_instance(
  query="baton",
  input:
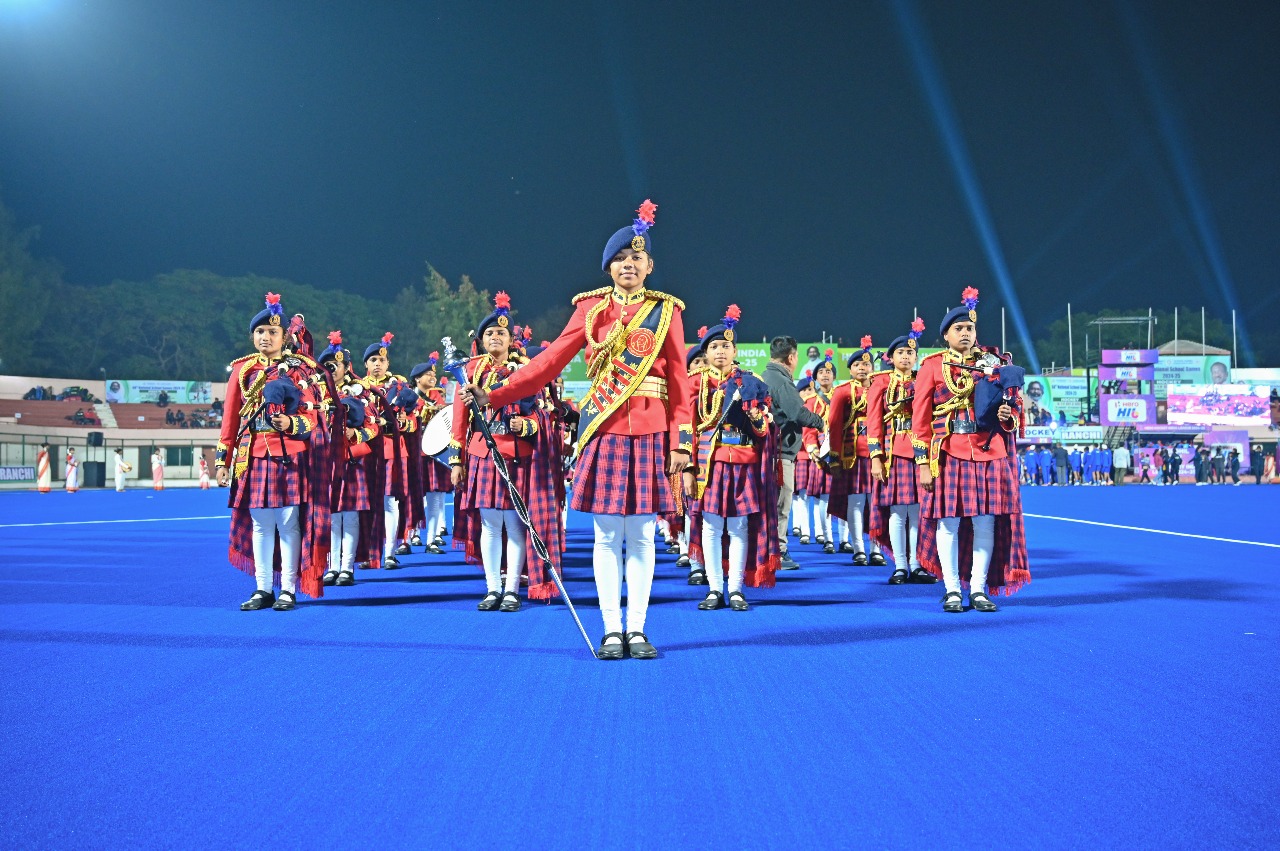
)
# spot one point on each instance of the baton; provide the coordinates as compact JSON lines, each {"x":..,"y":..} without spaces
{"x":455,"y":368}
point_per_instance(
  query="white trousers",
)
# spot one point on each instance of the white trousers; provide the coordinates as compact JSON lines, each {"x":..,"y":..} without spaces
{"x":266,"y":523}
{"x":683,"y":538}
{"x":857,"y":502}
{"x":840,"y":528}
{"x":492,"y":521}
{"x":343,"y":540}
{"x":391,"y":512}
{"x":713,"y":527}
{"x":984,"y":535}
{"x":904,"y":532}
{"x":612,"y":531}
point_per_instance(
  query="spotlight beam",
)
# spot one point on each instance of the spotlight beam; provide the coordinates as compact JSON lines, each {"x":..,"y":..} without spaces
{"x":948,"y":127}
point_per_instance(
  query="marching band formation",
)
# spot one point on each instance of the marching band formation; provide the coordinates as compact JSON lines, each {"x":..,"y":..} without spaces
{"x":331,"y":472}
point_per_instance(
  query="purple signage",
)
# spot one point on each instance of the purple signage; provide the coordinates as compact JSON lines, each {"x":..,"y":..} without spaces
{"x":1128,"y":357}
{"x":1127,"y":373}
{"x":1126,"y":410}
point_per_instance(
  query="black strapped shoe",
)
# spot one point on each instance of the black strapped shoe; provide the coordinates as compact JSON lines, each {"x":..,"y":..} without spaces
{"x":403,"y":550}
{"x":346,"y":578}
{"x":683,"y":561}
{"x":609,"y":651}
{"x":899,"y":577}
{"x":804,"y":539}
{"x":953,"y":602}
{"x":672,"y":548}
{"x":982,"y":602}
{"x":416,"y":540}
{"x":920,"y":576}
{"x":435,"y":549}
{"x":641,"y":649}
{"x":738,"y":602}
{"x":877,"y":560}
{"x":259,"y":600}
{"x":846,"y":547}
{"x":490,"y":602}
{"x":392,"y":563}
{"x":330,"y":577}
{"x":697,"y":577}
{"x":715,"y":600}
{"x":860,"y":559}
{"x":510,"y":602}
{"x":285,"y":602}
{"x":828,"y":548}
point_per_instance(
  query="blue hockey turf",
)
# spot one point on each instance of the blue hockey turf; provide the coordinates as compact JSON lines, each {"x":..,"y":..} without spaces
{"x":1128,"y":697}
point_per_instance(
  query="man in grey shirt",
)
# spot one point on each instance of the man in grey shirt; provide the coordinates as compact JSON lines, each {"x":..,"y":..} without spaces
{"x":791,"y":416}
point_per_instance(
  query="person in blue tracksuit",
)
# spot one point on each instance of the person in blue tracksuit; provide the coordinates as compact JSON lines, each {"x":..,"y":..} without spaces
{"x":1046,"y":466}
{"x":1107,"y":471}
{"x":1032,"y":461}
{"x":1076,"y":459}
{"x":1088,"y":464}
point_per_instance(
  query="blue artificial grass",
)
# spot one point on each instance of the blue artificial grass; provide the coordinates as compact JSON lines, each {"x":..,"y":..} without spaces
{"x":1128,"y":697}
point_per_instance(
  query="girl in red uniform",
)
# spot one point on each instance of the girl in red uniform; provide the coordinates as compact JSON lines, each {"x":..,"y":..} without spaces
{"x":634,"y":428}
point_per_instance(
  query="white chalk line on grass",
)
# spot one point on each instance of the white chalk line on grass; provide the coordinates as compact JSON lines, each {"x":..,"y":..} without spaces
{"x":129,"y":520}
{"x":1153,"y":531}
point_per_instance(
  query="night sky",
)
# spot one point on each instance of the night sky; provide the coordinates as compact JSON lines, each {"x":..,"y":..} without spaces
{"x":1125,"y":154}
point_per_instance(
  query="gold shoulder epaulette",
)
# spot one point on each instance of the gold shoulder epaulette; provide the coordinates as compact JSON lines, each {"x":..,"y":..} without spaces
{"x":244,"y":358}
{"x":880,"y":372}
{"x":600,"y":293}
{"x":932,"y":355}
{"x":666,"y":297}
{"x":308,"y":360}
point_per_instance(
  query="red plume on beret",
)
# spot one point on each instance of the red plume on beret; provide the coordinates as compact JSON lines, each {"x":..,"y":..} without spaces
{"x":866,"y":341}
{"x":702,"y":332}
{"x":335,"y":338}
{"x":502,"y":300}
{"x":646,"y":211}
{"x":733,"y":312}
{"x":917,"y":324}
{"x":273,"y":298}
{"x":387,"y":338}
{"x":830,"y":353}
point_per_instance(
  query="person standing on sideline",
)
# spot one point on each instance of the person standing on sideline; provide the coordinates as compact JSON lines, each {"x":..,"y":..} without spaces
{"x":44,"y":469}
{"x":1076,"y":463}
{"x":635,"y":432}
{"x":1233,"y":467}
{"x":1219,"y":467}
{"x":72,"y":471}
{"x":1060,"y":465}
{"x":791,"y":417}
{"x":1257,"y":463}
{"x":122,"y":468}
{"x":204,"y":474}
{"x":1120,"y":459}
{"x":157,"y":469}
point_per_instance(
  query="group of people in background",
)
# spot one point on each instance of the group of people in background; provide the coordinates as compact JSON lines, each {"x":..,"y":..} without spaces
{"x":1139,"y":462}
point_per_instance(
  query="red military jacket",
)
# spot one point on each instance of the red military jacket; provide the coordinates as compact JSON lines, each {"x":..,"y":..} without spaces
{"x":393,"y":431}
{"x":811,"y":438}
{"x":847,"y":421}
{"x":659,"y":404}
{"x":249,"y":375}
{"x":708,"y":408}
{"x":510,"y":428}
{"x":371,"y":427}
{"x":943,"y":402}
{"x":888,"y":418}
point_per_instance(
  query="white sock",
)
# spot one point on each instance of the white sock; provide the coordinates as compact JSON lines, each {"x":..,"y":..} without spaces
{"x":517,"y":544}
{"x":984,"y":537}
{"x":264,"y":546}
{"x":391,"y":507}
{"x":737,"y":528}
{"x":898,"y":536}
{"x":640,"y":556}
{"x":821,"y":519}
{"x":491,"y":547}
{"x":288,"y":521}
{"x":607,"y":566}
{"x":857,"y":501}
{"x":800,"y":510}
{"x":712,"y":532}
{"x":949,"y":551}
{"x":913,"y":514}
{"x":350,"y":539}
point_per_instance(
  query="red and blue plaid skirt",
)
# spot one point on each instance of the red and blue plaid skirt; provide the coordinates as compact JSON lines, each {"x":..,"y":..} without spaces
{"x":271,"y":483}
{"x":623,"y":474}
{"x":857,"y":479}
{"x":817,"y":481}
{"x":482,"y":487}
{"x":971,"y":488}
{"x":903,"y":485}
{"x":435,"y":477}
{"x":733,"y":491}
{"x":355,"y":488}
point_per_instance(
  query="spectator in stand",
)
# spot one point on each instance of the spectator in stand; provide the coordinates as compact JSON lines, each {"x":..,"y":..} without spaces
{"x":169,"y":418}
{"x":1120,"y":459}
{"x":1233,"y":467}
{"x":216,"y":407}
{"x":1257,"y":463}
{"x":163,"y":399}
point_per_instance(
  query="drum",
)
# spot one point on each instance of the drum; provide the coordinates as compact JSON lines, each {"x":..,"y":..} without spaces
{"x":437,"y":436}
